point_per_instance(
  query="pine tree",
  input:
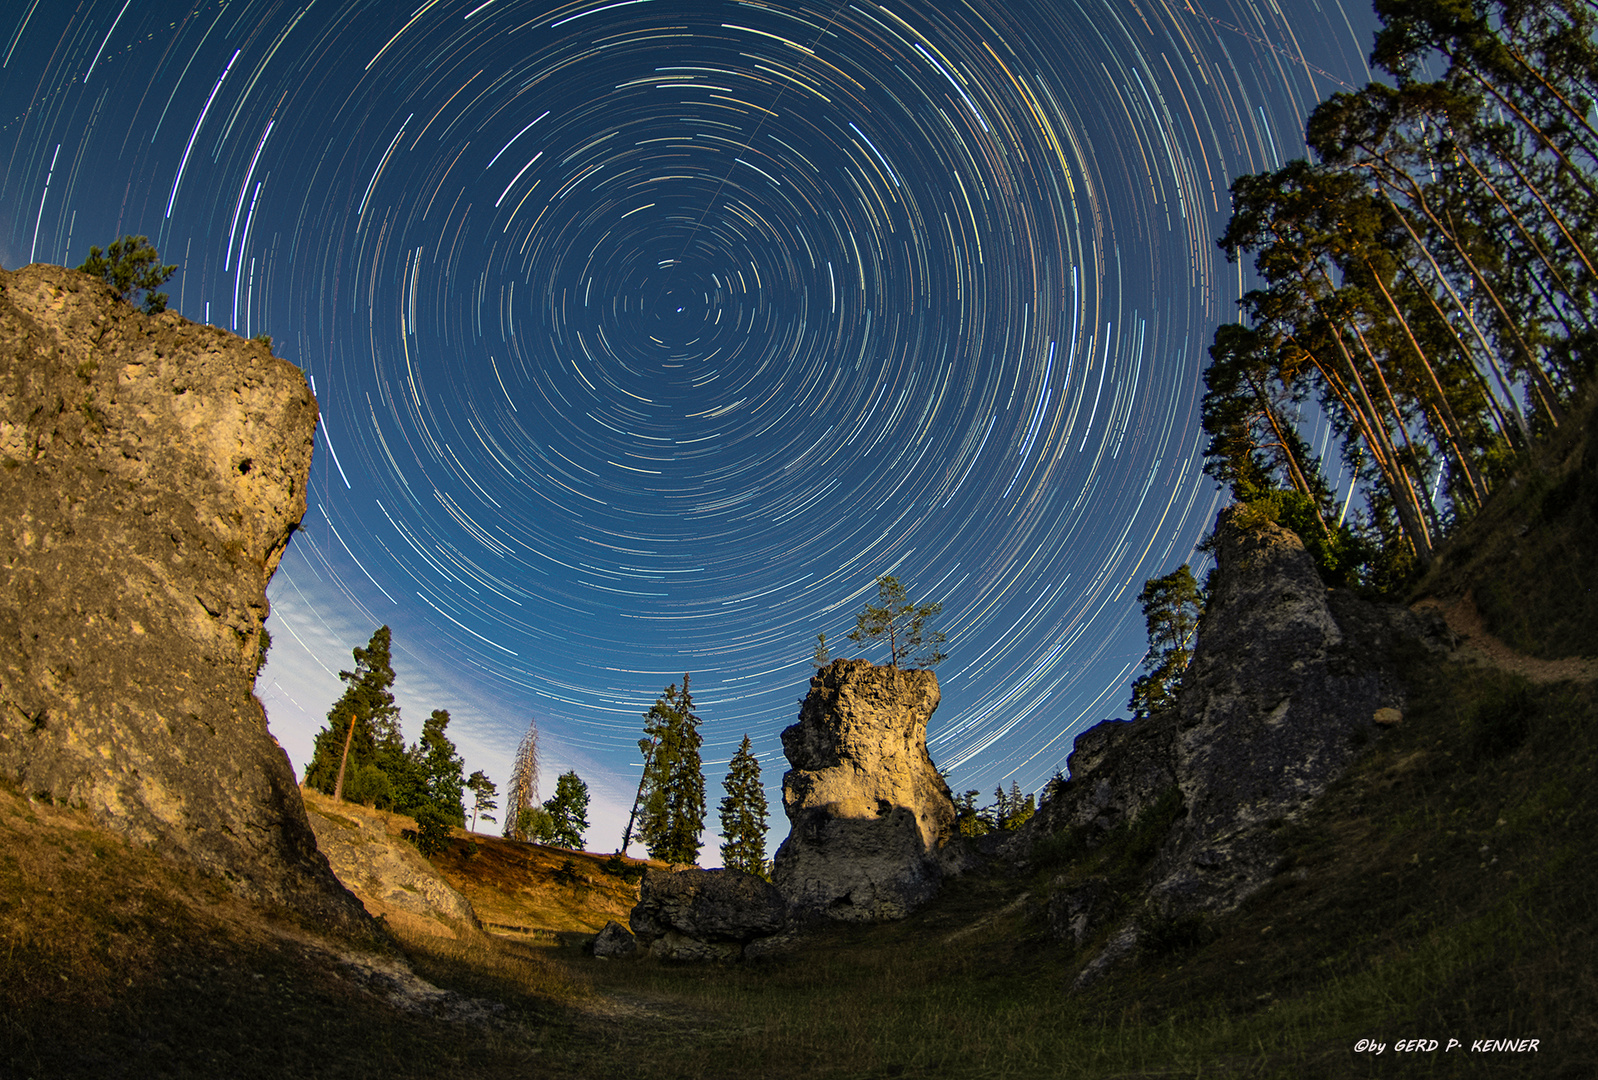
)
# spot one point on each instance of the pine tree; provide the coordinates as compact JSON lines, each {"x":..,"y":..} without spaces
{"x":743,"y":815}
{"x":362,"y":722}
{"x":672,"y":795}
{"x":568,"y":813}
{"x":522,"y":794}
{"x":131,"y":266}
{"x":902,"y":624}
{"x":1172,"y":607}
{"x":483,"y":791}
{"x":823,"y":655}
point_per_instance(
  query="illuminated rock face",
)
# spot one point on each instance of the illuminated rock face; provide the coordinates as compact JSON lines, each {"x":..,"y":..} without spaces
{"x":151,"y":472}
{"x":870,"y":815}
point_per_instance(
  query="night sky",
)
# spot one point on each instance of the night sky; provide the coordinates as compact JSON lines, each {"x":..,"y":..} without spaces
{"x":647,"y":334}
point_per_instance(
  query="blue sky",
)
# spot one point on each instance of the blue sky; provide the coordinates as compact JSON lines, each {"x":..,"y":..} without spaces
{"x":647,"y":335}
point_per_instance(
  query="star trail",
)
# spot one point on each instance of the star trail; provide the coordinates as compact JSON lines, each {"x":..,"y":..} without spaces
{"x":647,"y":334}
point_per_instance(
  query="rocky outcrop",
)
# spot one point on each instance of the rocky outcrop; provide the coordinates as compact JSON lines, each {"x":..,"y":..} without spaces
{"x":614,"y":941}
{"x":704,"y":914}
{"x":1289,"y":681}
{"x":153,"y":471}
{"x":367,"y":851}
{"x":1283,"y":693}
{"x":870,"y":816}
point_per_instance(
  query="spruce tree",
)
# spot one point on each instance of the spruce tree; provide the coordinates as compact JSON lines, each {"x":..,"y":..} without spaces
{"x":360,"y":723}
{"x":743,"y":815}
{"x":440,"y":769}
{"x":568,"y":812}
{"x":672,"y":795}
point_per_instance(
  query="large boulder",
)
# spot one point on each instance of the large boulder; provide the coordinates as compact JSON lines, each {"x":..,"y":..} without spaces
{"x":870,"y":815}
{"x":153,"y":471}
{"x":614,"y":941}
{"x":704,"y":914}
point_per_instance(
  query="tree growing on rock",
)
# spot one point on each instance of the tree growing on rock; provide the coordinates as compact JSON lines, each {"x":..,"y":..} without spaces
{"x":522,"y":794}
{"x":671,"y":801}
{"x":743,"y":815}
{"x":131,"y":266}
{"x":568,"y":813}
{"x":902,"y":624}
{"x":1172,"y":607}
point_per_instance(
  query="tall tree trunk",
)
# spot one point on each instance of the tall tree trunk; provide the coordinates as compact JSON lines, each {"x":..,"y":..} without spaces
{"x":338,"y":785}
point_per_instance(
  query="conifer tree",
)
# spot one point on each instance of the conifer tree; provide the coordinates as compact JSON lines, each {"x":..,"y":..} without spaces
{"x":522,"y":794}
{"x":362,"y":721}
{"x":743,"y":815}
{"x":568,"y":813}
{"x":131,"y":266}
{"x":1172,"y":607}
{"x":440,"y":769}
{"x":902,"y":624}
{"x":672,"y":796}
{"x":483,"y":791}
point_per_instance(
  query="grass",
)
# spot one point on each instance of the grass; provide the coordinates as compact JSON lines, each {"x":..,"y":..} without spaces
{"x":1441,"y":889}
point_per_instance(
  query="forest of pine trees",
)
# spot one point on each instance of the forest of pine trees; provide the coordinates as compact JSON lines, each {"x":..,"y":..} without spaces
{"x":1426,"y":280}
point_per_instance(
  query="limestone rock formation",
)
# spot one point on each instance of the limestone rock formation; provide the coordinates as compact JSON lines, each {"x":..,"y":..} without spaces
{"x":705,"y":914}
{"x":1289,"y":681}
{"x":870,"y":815}
{"x":151,"y":472}
{"x":386,"y":872}
{"x":1283,"y":693}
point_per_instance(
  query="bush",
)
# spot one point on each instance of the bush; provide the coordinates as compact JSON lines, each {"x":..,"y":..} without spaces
{"x":432,"y":830}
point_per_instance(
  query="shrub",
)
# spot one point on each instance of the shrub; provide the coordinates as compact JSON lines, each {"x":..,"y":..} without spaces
{"x":131,"y":266}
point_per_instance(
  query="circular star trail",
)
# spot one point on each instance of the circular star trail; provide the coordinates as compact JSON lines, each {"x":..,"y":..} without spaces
{"x":648,"y":334}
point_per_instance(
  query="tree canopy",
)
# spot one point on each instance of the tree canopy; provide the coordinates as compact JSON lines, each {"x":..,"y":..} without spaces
{"x":363,"y":721}
{"x":671,"y":802}
{"x":901,"y":624}
{"x":483,"y":791}
{"x":568,"y":812}
{"x":131,"y":266}
{"x":1426,"y":283}
{"x":1172,"y":607}
{"x":361,"y":755}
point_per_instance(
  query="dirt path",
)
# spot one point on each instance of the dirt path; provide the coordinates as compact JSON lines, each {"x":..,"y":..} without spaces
{"x":1476,"y":645}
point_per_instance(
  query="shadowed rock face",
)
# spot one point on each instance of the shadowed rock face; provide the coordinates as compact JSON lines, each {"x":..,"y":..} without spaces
{"x":869,"y":812}
{"x":1289,"y":681}
{"x":1281,"y":696}
{"x":704,"y":914}
{"x":151,"y":472}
